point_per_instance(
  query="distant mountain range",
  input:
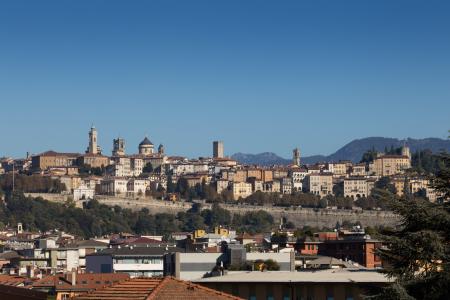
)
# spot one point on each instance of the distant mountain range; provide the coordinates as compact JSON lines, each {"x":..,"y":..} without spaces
{"x":352,"y":151}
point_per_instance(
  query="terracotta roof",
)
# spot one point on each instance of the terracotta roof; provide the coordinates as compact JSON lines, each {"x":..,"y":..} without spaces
{"x":12,"y":292}
{"x":54,"y":153}
{"x":171,"y":288}
{"x":84,"y":282}
{"x":12,"y":280}
{"x":157,"y":289}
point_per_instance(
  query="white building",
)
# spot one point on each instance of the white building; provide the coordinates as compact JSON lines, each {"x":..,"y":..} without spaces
{"x":286,"y":185}
{"x":135,"y":261}
{"x":114,"y":186}
{"x":137,"y":187}
{"x":83,"y":192}
{"x":297,"y":175}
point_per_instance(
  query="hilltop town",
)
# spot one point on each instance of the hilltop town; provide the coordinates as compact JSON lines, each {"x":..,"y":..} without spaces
{"x":152,"y":173}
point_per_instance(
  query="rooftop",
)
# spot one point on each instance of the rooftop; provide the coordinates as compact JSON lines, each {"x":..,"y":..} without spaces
{"x":138,"y":251}
{"x":146,"y":142}
{"x":156,"y":288}
{"x":317,"y":276}
{"x":84,"y":282}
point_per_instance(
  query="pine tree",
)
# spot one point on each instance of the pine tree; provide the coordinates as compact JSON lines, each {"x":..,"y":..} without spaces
{"x":417,"y":254}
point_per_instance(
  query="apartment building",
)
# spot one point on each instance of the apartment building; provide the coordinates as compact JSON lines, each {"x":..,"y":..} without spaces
{"x":320,"y":184}
{"x":337,"y":168}
{"x":241,"y":190}
{"x":388,"y":165}
{"x":358,"y":170}
{"x":357,"y":187}
{"x":297,"y":175}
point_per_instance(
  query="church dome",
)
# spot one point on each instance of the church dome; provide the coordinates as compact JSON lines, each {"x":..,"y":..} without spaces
{"x":146,"y":142}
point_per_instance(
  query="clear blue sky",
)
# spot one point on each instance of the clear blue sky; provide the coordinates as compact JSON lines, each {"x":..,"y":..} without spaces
{"x":259,"y":75}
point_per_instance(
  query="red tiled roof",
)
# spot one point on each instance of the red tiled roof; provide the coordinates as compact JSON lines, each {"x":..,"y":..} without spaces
{"x":12,"y":280}
{"x":12,"y":292}
{"x":86,"y":282}
{"x":54,"y":153}
{"x":171,"y":288}
{"x":156,"y":289}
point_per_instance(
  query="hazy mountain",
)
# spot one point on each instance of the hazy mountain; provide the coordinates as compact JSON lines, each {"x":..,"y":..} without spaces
{"x":265,"y":159}
{"x":352,"y":151}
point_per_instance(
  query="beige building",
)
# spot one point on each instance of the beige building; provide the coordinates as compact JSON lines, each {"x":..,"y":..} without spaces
{"x":272,"y":186}
{"x":388,"y":165}
{"x":260,"y":174}
{"x":221,"y":185}
{"x":93,"y":160}
{"x":71,"y":182}
{"x":241,"y":190}
{"x":359,"y":170}
{"x":320,"y":184}
{"x":240,"y":176}
{"x":279,"y":173}
{"x":49,"y":159}
{"x":356,"y":187}
{"x":338,"y":168}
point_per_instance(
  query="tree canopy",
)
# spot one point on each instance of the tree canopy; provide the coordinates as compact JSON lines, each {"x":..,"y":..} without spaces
{"x":416,"y":255}
{"x":98,"y":219}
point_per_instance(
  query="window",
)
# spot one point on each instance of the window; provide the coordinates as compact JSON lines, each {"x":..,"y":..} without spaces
{"x":298,"y":293}
{"x":269,"y":292}
{"x":252,"y":292}
{"x":235,"y":289}
{"x":286,"y":293}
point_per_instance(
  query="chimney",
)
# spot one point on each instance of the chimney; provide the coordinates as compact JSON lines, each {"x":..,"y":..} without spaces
{"x":74,"y":277}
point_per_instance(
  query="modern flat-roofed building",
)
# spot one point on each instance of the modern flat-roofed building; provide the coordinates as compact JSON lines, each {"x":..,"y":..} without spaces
{"x":139,"y":261}
{"x":308,"y":284}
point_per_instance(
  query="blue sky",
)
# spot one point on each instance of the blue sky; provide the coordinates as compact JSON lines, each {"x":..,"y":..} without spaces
{"x":259,"y":75}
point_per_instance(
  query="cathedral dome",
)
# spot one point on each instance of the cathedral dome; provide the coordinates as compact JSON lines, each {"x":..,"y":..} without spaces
{"x":146,"y":142}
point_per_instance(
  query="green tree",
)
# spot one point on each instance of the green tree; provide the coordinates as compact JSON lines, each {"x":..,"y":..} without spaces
{"x":417,"y":254}
{"x":148,"y":168}
{"x":385,"y":184}
{"x":369,"y":156}
{"x":170,"y":185}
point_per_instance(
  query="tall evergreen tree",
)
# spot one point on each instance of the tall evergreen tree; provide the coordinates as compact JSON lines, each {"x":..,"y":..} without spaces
{"x":417,"y":254}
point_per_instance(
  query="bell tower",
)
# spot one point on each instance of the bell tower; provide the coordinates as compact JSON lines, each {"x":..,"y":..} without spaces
{"x":93,"y":149}
{"x":296,"y":157}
